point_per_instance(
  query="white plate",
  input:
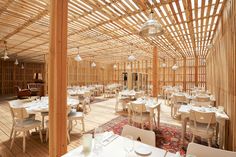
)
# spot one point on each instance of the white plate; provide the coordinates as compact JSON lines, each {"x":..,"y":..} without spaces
{"x":143,"y":150}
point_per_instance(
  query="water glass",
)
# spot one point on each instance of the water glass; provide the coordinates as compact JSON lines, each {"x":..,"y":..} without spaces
{"x":87,"y":142}
{"x":128,"y":144}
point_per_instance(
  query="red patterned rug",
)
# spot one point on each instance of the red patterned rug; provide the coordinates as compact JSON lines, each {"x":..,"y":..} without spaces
{"x":168,"y":137}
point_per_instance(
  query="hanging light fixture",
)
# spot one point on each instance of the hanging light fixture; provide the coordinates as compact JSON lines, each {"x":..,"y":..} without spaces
{"x":22,"y":66}
{"x":163,"y":65}
{"x":131,"y":57}
{"x":77,"y":57}
{"x":16,"y":62}
{"x":151,"y":27}
{"x":5,"y":57}
{"x":175,"y":67}
{"x":114,"y":66}
{"x":93,"y":64}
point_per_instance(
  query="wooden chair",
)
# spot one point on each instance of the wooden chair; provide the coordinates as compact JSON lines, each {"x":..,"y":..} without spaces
{"x":144,"y":136}
{"x":203,"y":100}
{"x":139,"y":114}
{"x":204,"y":151}
{"x":178,"y":100}
{"x":22,"y":123}
{"x":202,"y":124}
{"x":17,"y":104}
{"x":73,"y":115}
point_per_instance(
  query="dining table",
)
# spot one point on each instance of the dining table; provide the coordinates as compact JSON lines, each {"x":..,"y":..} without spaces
{"x":115,"y":148}
{"x":221,"y":118}
{"x":42,"y":105}
{"x":151,"y":106}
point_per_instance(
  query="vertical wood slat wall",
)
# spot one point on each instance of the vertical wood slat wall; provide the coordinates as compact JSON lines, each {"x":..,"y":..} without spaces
{"x":12,"y":75}
{"x":166,"y":75}
{"x":81,"y":73}
{"x":221,"y":66}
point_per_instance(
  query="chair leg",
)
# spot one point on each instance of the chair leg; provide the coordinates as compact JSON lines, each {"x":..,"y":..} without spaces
{"x":193,"y":138}
{"x":43,"y":122}
{"x":68,"y":136}
{"x":40,"y":134}
{"x":83,"y":128}
{"x":47,"y":132}
{"x":24,"y":133}
{"x":13,"y":138}
{"x":209,"y":142}
{"x":11,"y":132}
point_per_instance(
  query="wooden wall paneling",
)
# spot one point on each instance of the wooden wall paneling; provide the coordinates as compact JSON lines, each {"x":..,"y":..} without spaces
{"x":196,"y":71}
{"x":58,"y":78}
{"x":154,"y":73}
{"x":184,"y":74}
{"x":221,"y":69}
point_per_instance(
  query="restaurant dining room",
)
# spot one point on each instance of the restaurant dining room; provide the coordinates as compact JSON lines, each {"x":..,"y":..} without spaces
{"x":117,"y":78}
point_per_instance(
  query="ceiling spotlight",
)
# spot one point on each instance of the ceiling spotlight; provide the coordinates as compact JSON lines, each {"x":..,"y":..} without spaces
{"x":131,"y":58}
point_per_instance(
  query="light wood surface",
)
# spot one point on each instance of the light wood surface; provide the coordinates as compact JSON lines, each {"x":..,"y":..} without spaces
{"x":58,"y":78}
{"x":221,"y":66}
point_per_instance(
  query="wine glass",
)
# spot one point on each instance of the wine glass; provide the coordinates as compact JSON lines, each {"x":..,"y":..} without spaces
{"x":128,"y":144}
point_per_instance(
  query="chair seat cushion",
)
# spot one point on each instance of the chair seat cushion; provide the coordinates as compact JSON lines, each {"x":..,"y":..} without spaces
{"x":73,"y":115}
{"x":27,"y":124}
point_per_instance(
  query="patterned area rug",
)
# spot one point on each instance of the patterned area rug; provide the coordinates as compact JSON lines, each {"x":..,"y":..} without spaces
{"x":168,"y":137}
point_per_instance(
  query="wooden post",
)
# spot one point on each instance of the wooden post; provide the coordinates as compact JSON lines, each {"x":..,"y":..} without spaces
{"x":196,"y":71}
{"x":58,"y":78}
{"x":184,"y":76}
{"x":154,"y":73}
{"x":174,"y":72}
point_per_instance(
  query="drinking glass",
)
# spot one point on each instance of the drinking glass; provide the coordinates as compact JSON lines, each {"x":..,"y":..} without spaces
{"x":128,"y":144}
{"x":98,"y":137}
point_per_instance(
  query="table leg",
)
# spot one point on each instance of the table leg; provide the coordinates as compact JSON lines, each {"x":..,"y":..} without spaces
{"x":158,"y":118}
{"x":151,"y":119}
{"x":129,"y":116}
{"x":222,"y":134}
{"x":184,"y":124}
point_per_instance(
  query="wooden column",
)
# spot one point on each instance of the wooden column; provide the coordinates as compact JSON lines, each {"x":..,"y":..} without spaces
{"x":184,"y":75}
{"x":174,"y":72}
{"x":58,"y":78}
{"x":196,"y":71}
{"x":154,"y":73}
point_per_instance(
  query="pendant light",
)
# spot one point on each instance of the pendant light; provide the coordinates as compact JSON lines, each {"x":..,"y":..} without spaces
{"x":22,"y":66}
{"x":151,"y":27}
{"x":163,"y":65}
{"x":16,"y":62}
{"x":131,"y":57}
{"x":115,"y":66}
{"x":93,"y":64}
{"x":175,"y":67}
{"x":5,"y":57}
{"x":77,"y":57}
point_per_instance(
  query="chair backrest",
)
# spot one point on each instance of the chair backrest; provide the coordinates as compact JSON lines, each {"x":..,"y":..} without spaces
{"x":137,"y":108}
{"x":197,"y":117}
{"x":204,"y":151}
{"x":179,"y":98}
{"x":17,"y":88}
{"x":17,"y":111}
{"x":87,"y":94}
{"x":202,"y":98}
{"x":144,"y":136}
{"x":202,"y":104}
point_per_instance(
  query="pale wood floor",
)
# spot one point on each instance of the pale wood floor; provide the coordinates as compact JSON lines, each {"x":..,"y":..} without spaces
{"x":101,"y":113}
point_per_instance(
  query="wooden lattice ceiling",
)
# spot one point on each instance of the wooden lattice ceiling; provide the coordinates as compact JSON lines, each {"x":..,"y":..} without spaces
{"x":106,"y":30}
